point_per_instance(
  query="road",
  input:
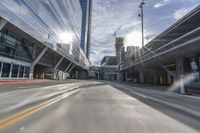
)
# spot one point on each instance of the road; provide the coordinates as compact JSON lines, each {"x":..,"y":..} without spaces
{"x":93,"y":107}
{"x":9,"y":86}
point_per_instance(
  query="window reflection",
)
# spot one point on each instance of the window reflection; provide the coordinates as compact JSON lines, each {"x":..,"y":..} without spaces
{"x":15,"y":70}
{"x":6,"y":70}
{"x":39,"y":19}
{"x":21,"y":71}
{"x":27,"y":72}
{"x":14,"y":47}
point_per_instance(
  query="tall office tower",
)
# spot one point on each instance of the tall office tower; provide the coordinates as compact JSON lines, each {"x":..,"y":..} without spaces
{"x":86,"y":6}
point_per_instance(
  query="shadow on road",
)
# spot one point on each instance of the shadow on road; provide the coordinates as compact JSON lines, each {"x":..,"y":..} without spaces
{"x":179,"y":115}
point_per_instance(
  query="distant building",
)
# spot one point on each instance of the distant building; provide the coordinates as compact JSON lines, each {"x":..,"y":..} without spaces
{"x":131,"y":52}
{"x":86,"y":6}
{"x":109,"y":68}
{"x":94,"y":72}
{"x":118,"y":46}
{"x":128,"y":58}
{"x":122,"y":54}
{"x":109,"y":60}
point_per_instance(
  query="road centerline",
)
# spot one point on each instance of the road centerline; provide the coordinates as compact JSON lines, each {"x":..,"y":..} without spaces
{"x":10,"y":120}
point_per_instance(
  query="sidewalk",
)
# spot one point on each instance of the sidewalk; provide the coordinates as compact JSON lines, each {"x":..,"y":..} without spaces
{"x":147,"y":86}
{"x":191,"y":89}
{"x":185,"y":103}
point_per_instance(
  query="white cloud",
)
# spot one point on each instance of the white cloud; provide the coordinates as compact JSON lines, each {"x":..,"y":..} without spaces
{"x":107,"y":16}
{"x":161,"y":3}
{"x":181,"y":12}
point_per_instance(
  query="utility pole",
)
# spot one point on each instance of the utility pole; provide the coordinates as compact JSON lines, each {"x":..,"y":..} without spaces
{"x":142,"y":20}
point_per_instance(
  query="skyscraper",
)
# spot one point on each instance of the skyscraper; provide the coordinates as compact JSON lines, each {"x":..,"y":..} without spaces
{"x":86,"y":6}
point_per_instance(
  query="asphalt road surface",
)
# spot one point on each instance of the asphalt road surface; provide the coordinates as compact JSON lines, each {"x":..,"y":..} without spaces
{"x":93,"y":107}
{"x":12,"y":86}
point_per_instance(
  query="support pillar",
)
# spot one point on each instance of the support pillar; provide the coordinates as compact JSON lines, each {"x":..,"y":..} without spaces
{"x":179,"y":68}
{"x":141,"y":75}
{"x":56,"y":66}
{"x":36,"y":61}
{"x":155,"y":76}
{"x":169,"y":80}
{"x":126,"y":76}
{"x":11,"y":67}
{"x":68,"y":67}
{"x":76,"y":74}
{"x":120,"y":76}
{"x":180,"y":74}
{"x":71,"y":69}
{"x":1,"y":68}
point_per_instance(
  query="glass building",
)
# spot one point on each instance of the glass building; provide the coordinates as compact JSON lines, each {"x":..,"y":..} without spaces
{"x":86,"y":6}
{"x":40,"y":35}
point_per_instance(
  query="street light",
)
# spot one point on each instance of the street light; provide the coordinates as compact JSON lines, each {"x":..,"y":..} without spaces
{"x":142,"y":23}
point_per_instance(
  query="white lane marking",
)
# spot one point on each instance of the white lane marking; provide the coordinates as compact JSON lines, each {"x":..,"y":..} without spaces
{"x":139,"y":94}
{"x":142,"y":123}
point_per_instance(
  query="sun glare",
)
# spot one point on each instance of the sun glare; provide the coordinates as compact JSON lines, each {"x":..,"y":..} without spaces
{"x":66,"y":37}
{"x":133,"y":39}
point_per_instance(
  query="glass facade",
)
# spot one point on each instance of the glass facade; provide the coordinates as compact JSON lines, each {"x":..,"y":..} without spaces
{"x":5,"y":70}
{"x":15,"y":71}
{"x":55,"y":23}
{"x":8,"y":70}
{"x":86,"y":6}
{"x":15,"y":47}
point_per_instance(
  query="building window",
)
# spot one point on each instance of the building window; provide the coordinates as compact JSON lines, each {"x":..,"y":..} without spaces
{"x":21,"y":71}
{"x":15,"y":71}
{"x":0,"y":68}
{"x":27,"y":72}
{"x":6,"y":70}
{"x":13,"y":46}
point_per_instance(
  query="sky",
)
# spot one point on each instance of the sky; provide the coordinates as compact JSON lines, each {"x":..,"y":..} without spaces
{"x":109,"y":15}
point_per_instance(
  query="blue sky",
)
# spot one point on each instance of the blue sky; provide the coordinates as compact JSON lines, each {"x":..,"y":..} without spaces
{"x":108,"y":15}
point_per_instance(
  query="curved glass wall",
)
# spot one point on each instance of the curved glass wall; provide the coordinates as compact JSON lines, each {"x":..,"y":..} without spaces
{"x":55,"y":23}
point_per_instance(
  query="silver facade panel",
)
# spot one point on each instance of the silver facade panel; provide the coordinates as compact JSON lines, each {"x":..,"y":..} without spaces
{"x":56,"y":23}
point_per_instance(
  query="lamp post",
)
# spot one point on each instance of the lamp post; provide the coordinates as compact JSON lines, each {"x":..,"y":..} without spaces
{"x":142,"y":20}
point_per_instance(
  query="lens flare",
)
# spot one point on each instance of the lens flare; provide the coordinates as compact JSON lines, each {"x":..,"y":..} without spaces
{"x":66,"y":37}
